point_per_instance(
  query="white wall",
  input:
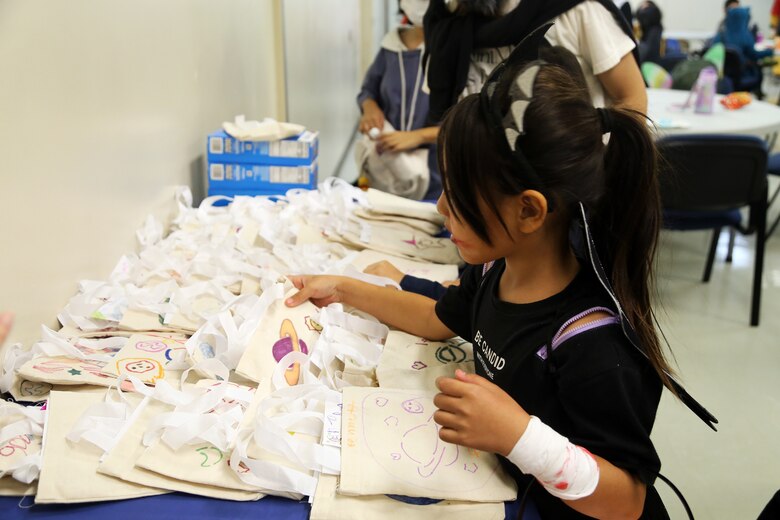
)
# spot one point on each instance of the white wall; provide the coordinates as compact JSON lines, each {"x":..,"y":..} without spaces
{"x":104,"y":105}
{"x":322,"y":50}
{"x":704,"y":15}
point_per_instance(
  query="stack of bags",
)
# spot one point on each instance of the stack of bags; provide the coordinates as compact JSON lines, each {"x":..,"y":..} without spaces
{"x":185,"y":371}
{"x":261,"y":158}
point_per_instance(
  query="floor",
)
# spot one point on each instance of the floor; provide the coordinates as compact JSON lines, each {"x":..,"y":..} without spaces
{"x":731,"y":368}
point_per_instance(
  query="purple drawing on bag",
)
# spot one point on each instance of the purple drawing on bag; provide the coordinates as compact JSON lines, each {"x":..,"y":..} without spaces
{"x":413,"y":406}
{"x":408,"y":447}
{"x":151,"y":346}
{"x":423,"y":446}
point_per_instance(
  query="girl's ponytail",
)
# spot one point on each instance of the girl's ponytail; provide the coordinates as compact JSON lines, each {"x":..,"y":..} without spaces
{"x":629,"y":218}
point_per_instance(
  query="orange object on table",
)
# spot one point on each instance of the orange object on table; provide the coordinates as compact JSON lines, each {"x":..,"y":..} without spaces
{"x":736,"y":100}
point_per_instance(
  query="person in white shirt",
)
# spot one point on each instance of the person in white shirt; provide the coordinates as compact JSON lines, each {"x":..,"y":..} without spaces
{"x":593,"y":30}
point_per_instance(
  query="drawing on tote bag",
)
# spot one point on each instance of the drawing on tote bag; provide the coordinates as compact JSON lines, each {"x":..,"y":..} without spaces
{"x":147,"y":357}
{"x":289,"y":342}
{"x":425,"y":243}
{"x":73,"y":367}
{"x":396,"y":429}
{"x":414,"y":363}
{"x":211,"y":456}
{"x":420,"y":443}
{"x":29,"y":388}
{"x":20,"y":445}
{"x":149,"y":370}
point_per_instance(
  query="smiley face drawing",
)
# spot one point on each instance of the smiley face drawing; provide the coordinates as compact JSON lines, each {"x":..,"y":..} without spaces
{"x":150,"y":369}
{"x":151,"y":346}
{"x":289,"y":342}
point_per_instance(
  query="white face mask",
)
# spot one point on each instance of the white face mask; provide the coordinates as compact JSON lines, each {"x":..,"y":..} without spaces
{"x":415,"y":10}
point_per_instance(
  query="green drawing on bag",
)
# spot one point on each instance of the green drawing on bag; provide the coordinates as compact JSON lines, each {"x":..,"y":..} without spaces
{"x":74,"y":372}
{"x":161,"y":317}
{"x":209,"y":453}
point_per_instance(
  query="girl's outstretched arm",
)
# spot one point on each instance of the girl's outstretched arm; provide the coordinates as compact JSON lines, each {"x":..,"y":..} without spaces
{"x":403,"y":310}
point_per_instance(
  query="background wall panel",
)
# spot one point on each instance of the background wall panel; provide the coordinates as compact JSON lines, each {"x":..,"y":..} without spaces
{"x":104,"y":106}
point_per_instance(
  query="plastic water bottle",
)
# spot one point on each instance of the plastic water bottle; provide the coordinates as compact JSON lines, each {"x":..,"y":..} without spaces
{"x":706,"y":85}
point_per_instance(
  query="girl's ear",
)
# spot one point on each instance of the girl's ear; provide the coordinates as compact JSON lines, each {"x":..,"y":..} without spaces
{"x":531,"y":211}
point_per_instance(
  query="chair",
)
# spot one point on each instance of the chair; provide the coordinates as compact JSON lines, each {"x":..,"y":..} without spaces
{"x":773,"y":168}
{"x":705,"y":180}
{"x":745,"y":76}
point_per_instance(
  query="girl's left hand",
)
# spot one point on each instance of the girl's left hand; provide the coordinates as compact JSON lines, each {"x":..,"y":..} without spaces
{"x":475,"y":413}
{"x":399,"y":141}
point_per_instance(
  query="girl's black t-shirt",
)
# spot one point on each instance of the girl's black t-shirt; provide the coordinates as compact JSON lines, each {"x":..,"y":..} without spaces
{"x":594,"y":387}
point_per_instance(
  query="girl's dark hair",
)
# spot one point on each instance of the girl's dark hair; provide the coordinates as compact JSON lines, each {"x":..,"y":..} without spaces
{"x":563,"y":142}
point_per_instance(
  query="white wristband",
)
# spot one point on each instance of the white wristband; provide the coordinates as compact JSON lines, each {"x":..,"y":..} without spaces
{"x":565,"y":470}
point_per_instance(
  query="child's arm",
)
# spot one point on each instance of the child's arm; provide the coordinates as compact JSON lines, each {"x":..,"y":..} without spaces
{"x":476,"y":413}
{"x":624,"y":85}
{"x":400,"y":309}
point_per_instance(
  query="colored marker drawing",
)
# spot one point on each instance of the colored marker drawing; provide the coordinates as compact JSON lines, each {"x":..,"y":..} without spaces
{"x":289,"y":342}
{"x":20,"y":445}
{"x":402,"y":438}
{"x":149,"y":370}
{"x":151,"y":346}
{"x":452,"y":352}
{"x":425,"y":243}
{"x":34,"y":388}
{"x":211,"y":456}
{"x":73,"y":367}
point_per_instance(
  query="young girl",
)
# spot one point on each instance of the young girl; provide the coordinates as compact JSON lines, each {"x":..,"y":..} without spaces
{"x":560,"y":391}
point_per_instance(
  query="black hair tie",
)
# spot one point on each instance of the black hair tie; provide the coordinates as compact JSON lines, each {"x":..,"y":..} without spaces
{"x":606,"y":120}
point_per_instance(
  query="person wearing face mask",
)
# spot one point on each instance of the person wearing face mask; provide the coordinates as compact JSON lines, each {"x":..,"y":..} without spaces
{"x":394,"y":113}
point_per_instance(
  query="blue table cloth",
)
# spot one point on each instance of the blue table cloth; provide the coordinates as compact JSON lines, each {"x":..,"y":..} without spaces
{"x":176,"y":506}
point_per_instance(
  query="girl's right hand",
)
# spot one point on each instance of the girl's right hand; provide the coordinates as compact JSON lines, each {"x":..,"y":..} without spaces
{"x":321,"y":290}
{"x":373,"y":117}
